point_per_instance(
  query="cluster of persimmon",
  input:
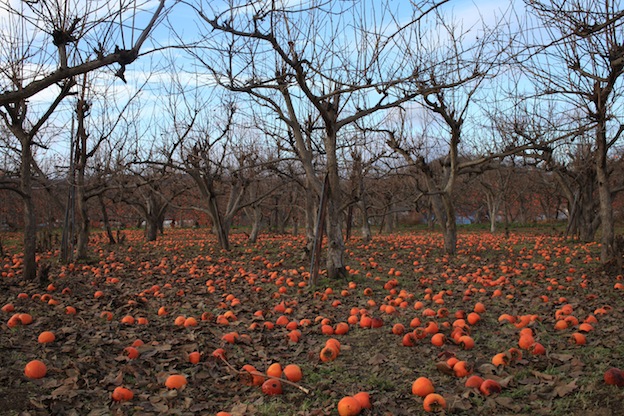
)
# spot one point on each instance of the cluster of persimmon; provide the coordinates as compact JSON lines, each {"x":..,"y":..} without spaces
{"x":432,"y":402}
{"x":330,"y":351}
{"x":132,"y":352}
{"x":271,"y":381}
{"x":449,"y":364}
{"x":564,"y":314}
{"x":487,"y":387}
{"x":19,"y":319}
{"x":34,"y":369}
{"x":127,"y":319}
{"x":460,"y":333}
{"x":526,"y":339}
{"x":353,"y":405}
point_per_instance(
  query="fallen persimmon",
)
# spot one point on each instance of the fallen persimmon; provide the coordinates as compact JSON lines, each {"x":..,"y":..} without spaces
{"x":434,"y":403}
{"x":272,"y":387}
{"x":489,"y":387}
{"x":422,"y":386}
{"x":363,"y":398}
{"x":292,"y":372}
{"x":349,"y":406}
{"x":122,"y":394}
{"x":175,"y":381}
{"x":46,"y":337}
{"x":35,"y":369}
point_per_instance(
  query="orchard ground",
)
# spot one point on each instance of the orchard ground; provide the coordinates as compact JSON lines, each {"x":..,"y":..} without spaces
{"x":535,"y":278}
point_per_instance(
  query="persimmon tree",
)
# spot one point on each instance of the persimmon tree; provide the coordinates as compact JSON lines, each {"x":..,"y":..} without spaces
{"x":336,"y":62}
{"x":102,"y":133}
{"x":214,"y":148}
{"x":224,"y":170}
{"x":494,"y":184}
{"x":574,"y":52}
{"x":453,"y":67}
{"x":576,"y":178}
{"x":45,"y":45}
{"x":151,"y":191}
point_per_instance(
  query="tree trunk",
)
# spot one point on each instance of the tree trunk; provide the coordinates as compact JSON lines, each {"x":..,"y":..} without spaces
{"x":107,"y":226}
{"x":349,"y":222}
{"x":388,"y":220}
{"x":296,"y":225}
{"x":310,"y":217}
{"x":83,"y":231}
{"x":282,"y":221}
{"x":151,"y":228}
{"x":335,"y":246}
{"x":256,"y":222}
{"x":493,"y":204}
{"x":607,"y":250}
{"x":69,"y":221}
{"x":218,"y":226}
{"x":450,"y":228}
{"x":81,"y":165}
{"x":29,"y":271}
{"x":366,"y":230}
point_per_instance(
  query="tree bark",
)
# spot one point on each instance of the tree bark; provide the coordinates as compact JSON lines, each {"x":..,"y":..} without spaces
{"x":367,"y":235}
{"x":335,"y":247}
{"x":80,"y":184}
{"x":29,"y":271}
{"x":450,"y":228}
{"x":310,"y":217}
{"x":607,"y":250}
{"x":256,"y":223}
{"x":151,"y":228}
{"x":107,"y":226}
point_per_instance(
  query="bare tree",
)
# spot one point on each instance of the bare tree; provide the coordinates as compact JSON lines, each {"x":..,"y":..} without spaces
{"x":495,"y":187}
{"x":576,"y":55}
{"x":30,"y":63}
{"x":336,"y":62}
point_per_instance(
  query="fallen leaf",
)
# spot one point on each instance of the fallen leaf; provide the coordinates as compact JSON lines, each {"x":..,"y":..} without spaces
{"x":508,"y":403}
{"x":377,"y":359}
{"x":562,"y":357}
{"x":562,"y":390}
{"x":543,"y":376}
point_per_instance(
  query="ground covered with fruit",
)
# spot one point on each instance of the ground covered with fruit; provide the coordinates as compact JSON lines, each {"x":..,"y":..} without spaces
{"x":534,"y":315}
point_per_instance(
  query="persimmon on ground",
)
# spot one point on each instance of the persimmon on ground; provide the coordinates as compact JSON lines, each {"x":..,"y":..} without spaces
{"x":35,"y":369}
{"x":434,"y":402}
{"x":122,"y":394}
{"x":422,"y":386}
{"x":272,"y":387}
{"x":257,"y":306}
{"x":194,"y":357}
{"x":292,"y":372}
{"x":489,"y":387}
{"x":349,"y":406}
{"x":614,"y":376}
{"x":252,"y":376}
{"x":175,"y":381}
{"x":364,"y":399}
{"x":46,"y":337}
{"x":274,"y":370}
